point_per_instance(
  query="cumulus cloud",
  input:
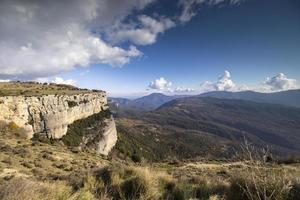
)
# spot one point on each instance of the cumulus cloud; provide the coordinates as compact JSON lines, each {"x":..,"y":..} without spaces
{"x":44,"y":38}
{"x":144,"y":32}
{"x":41,"y":38}
{"x":224,"y":83}
{"x":279,"y":82}
{"x":160,"y":84}
{"x":190,"y":7}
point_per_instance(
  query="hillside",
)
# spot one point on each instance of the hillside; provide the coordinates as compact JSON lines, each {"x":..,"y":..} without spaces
{"x":197,"y":126}
{"x":33,"y":169}
{"x":287,"y":98}
{"x":146,"y":103}
{"x":123,"y":106}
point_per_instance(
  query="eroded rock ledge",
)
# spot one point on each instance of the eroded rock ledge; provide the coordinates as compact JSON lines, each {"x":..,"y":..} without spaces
{"x":51,"y":114}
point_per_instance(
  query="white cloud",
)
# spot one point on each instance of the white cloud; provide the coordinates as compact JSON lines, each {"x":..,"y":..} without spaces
{"x":188,"y":9}
{"x":160,"y":84}
{"x":224,"y":83}
{"x":44,"y":38}
{"x":191,"y":7}
{"x":57,"y":80}
{"x":143,"y":33}
{"x":279,"y":82}
{"x":4,"y":80}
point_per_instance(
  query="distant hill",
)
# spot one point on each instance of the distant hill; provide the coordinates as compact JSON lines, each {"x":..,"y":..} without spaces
{"x":287,"y":98}
{"x":204,"y":126}
{"x":146,"y":103}
{"x":155,"y":100}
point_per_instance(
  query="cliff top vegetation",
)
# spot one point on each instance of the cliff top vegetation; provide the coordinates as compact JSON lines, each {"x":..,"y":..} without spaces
{"x":38,"y":89}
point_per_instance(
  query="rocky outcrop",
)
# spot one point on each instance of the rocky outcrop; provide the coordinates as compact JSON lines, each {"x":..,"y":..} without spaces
{"x":109,"y":137}
{"x":51,"y":114}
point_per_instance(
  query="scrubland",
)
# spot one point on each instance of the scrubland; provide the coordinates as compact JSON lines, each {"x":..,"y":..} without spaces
{"x":50,"y":170}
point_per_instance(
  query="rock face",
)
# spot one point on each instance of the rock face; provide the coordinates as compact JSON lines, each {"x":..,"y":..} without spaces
{"x":109,"y":138}
{"x":51,"y":114}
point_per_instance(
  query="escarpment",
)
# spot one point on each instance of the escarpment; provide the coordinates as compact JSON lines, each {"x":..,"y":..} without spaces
{"x":51,"y":115}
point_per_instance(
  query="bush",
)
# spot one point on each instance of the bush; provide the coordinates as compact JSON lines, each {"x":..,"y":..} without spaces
{"x":72,"y":104}
{"x":136,"y":157}
{"x":258,"y":181}
{"x":258,"y":188}
{"x":294,"y":193}
{"x":42,"y":138}
{"x":128,"y":182}
{"x":172,"y":192}
{"x":203,"y":191}
{"x":134,"y":188}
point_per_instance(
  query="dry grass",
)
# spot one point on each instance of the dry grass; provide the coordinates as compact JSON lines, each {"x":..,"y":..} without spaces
{"x":20,"y":188}
{"x":38,"y":89}
{"x":35,"y":170}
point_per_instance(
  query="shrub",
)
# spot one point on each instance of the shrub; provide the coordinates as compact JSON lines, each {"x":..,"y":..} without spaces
{"x":258,"y":181}
{"x":294,"y":193}
{"x":136,"y":157}
{"x":134,"y":188}
{"x":130,"y":183}
{"x":42,"y":138}
{"x":72,"y":104}
{"x":111,"y":175}
{"x":172,"y":192}
{"x":203,"y":191}
{"x":260,"y":185}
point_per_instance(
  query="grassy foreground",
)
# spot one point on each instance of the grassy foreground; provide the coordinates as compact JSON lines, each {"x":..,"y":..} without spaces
{"x":36,"y":170}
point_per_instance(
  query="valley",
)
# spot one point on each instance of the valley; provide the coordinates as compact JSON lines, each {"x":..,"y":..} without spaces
{"x":209,"y":127}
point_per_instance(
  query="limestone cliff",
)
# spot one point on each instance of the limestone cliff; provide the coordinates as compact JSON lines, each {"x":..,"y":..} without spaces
{"x":51,"y":114}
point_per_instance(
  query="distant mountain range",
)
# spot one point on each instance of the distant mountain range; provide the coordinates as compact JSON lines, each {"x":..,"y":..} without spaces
{"x":155,"y":100}
{"x":287,"y":98}
{"x":146,"y":103}
{"x":205,"y":126}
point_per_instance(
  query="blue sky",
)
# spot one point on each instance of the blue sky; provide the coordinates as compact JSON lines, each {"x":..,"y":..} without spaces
{"x":251,"y":39}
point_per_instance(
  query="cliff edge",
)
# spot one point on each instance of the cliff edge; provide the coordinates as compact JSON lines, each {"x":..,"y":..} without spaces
{"x":51,"y":114}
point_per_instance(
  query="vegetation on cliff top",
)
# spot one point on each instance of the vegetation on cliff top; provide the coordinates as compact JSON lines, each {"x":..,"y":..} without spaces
{"x":38,"y":89}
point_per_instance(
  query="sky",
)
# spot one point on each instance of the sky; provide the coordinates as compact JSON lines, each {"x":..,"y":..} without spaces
{"x":130,"y":48}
